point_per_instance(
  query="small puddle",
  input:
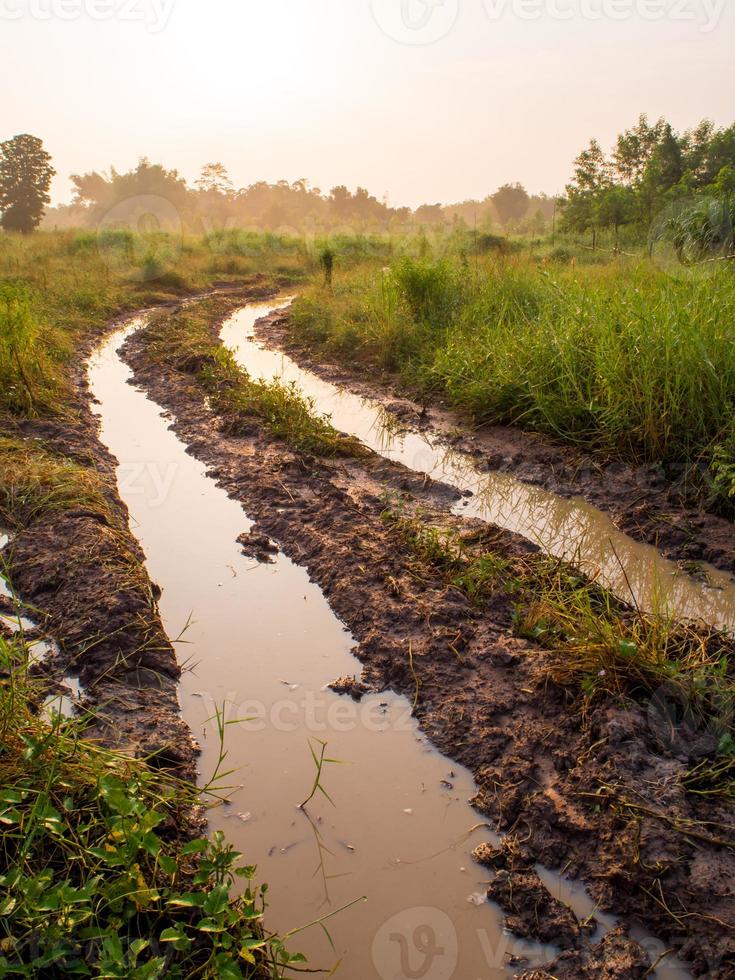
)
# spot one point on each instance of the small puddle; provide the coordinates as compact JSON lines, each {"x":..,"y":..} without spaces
{"x":262,"y":641}
{"x":570,"y":529}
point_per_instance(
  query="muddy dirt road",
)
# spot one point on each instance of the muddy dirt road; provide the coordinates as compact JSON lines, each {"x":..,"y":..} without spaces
{"x":534,"y":760}
{"x":278,"y":575}
{"x":262,"y":644}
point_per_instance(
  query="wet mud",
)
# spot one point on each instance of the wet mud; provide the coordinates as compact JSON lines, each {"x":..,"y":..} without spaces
{"x":594,"y":794}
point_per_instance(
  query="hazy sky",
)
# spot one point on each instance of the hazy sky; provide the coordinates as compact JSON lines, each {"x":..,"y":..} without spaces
{"x":420,"y":101}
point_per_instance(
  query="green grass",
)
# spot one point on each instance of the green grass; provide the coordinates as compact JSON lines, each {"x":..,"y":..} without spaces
{"x":183,"y":340}
{"x":60,"y":289}
{"x":97,"y":877}
{"x":35,"y":482}
{"x":618,"y":358}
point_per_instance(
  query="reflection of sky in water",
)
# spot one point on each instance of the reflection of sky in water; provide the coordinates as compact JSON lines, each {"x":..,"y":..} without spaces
{"x":564,"y":528}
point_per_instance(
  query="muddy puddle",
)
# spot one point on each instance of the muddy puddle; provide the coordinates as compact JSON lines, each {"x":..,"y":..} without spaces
{"x":262,"y":642}
{"x":570,"y":529}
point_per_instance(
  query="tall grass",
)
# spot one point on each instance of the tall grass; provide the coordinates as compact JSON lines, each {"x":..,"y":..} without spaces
{"x":62,"y":288}
{"x":619,"y":358}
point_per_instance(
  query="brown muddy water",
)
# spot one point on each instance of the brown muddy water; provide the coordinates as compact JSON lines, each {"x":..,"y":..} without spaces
{"x":570,"y":529}
{"x":262,"y":642}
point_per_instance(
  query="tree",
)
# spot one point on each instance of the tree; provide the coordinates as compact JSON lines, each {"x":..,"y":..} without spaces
{"x":341,"y":201}
{"x":591,"y":169}
{"x":25,"y":178}
{"x":121,"y":195}
{"x":634,"y":148}
{"x":429,"y":214}
{"x":724,"y":184}
{"x":511,"y":202}
{"x":615,"y":207}
{"x":214,"y":179}
{"x":664,"y":170}
{"x":591,"y":179}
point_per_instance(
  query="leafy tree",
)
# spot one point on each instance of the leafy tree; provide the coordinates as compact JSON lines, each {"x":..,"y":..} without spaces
{"x":25,"y":179}
{"x":214,"y":179}
{"x":123,"y":192}
{"x":615,"y":208}
{"x":591,"y":169}
{"x":634,"y":148}
{"x":592,"y":177}
{"x":341,"y":201}
{"x":429,"y":214}
{"x":720,"y":153}
{"x":695,"y":146}
{"x":724,"y":184}
{"x":511,"y":202}
{"x":666,"y":165}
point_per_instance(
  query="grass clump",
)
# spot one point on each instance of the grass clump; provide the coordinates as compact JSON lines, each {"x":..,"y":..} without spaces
{"x":35,"y":482}
{"x":184,"y":341}
{"x":476,"y":575}
{"x":97,"y":877}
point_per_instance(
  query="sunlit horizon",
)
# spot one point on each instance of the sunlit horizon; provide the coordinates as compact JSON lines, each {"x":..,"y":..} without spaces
{"x":341,"y":93}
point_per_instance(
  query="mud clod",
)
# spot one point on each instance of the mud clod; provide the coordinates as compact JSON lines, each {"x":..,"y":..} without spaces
{"x":258,"y":546}
{"x":350,"y":685}
{"x":616,"y":957}
{"x":532,"y":911}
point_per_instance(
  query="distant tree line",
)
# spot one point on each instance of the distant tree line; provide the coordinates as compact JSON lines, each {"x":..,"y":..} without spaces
{"x":651,"y":168}
{"x":213,"y":203}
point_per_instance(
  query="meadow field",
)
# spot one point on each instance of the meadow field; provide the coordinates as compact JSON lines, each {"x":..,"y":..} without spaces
{"x":604,"y":353}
